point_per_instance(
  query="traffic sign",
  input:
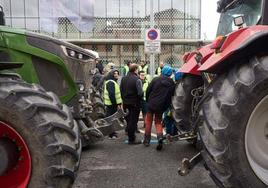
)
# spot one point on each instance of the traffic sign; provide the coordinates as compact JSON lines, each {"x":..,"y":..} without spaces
{"x":152,"y":44}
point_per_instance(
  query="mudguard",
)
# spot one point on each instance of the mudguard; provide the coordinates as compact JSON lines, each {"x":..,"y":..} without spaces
{"x":190,"y":66}
{"x":238,"y":45}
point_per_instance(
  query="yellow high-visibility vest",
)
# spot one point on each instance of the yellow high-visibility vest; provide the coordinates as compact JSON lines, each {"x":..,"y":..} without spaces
{"x":126,"y":69}
{"x":144,"y":88}
{"x":158,"y":71}
{"x":144,"y":69}
{"x":106,"y":97}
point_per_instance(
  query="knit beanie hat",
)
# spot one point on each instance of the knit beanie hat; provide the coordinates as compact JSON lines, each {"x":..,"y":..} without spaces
{"x":178,"y":75}
{"x":167,"y":71}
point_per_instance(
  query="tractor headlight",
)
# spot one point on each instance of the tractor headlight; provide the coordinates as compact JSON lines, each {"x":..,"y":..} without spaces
{"x":74,"y":54}
{"x":80,"y":56}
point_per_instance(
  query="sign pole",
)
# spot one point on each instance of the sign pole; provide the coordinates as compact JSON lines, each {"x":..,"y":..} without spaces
{"x":152,"y":63}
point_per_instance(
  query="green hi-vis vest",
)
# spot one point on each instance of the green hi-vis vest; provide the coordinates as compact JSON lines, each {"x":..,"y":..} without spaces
{"x":106,"y":97}
{"x":144,"y":88}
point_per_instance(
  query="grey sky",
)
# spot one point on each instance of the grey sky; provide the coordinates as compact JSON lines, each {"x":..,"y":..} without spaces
{"x":209,"y":19}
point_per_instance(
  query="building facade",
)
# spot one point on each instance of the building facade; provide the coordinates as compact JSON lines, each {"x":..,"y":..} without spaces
{"x":119,"y":27}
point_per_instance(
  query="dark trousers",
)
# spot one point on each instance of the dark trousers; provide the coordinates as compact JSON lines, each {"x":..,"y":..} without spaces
{"x":132,"y":120}
{"x":110,"y":110}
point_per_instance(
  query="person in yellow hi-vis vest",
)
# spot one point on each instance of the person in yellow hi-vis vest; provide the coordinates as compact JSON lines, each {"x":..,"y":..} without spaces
{"x":145,"y":84}
{"x":112,"y":96}
{"x":144,"y":67}
{"x":126,"y":68}
{"x":158,"y":71}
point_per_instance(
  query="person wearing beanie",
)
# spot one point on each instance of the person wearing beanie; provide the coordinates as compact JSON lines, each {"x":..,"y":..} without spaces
{"x":158,"y":97}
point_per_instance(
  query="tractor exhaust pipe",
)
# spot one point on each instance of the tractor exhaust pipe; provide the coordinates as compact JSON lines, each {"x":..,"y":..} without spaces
{"x":2,"y":16}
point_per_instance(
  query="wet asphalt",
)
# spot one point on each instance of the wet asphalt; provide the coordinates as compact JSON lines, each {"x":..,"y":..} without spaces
{"x":115,"y":164}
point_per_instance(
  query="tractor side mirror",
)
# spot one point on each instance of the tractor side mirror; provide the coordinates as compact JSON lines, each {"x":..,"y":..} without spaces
{"x":239,"y":21}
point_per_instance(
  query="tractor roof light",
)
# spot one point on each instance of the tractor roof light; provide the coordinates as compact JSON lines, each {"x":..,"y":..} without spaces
{"x":239,"y":21}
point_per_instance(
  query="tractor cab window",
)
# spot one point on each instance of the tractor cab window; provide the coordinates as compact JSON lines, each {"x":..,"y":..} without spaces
{"x":249,"y":9}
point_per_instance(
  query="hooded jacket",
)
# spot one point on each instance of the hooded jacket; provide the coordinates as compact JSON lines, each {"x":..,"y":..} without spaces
{"x":159,"y":93}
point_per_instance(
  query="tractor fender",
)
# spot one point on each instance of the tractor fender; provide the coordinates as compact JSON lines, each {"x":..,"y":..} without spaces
{"x":190,"y":66}
{"x":240,"y":44}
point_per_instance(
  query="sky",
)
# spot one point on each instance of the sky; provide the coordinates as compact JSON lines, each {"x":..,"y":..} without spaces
{"x":209,"y":19}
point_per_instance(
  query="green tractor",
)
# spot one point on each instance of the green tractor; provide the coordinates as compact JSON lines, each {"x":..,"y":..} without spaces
{"x":48,"y":109}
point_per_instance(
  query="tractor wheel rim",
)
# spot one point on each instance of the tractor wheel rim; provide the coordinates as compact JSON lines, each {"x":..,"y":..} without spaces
{"x":256,"y":140}
{"x":19,"y":175}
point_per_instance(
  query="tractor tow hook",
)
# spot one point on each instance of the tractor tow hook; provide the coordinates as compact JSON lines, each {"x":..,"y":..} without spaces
{"x":187,"y":165}
{"x":182,"y":136}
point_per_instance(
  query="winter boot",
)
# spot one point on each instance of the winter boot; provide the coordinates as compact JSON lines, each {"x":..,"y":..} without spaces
{"x":160,"y":139}
{"x":146,"y":140}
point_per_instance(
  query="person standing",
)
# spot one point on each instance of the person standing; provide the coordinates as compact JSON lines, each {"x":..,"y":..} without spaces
{"x":131,"y":90}
{"x":145,"y":84}
{"x":126,"y":68}
{"x":158,"y":71}
{"x":158,"y":96}
{"x":112,"y":96}
{"x":144,"y":67}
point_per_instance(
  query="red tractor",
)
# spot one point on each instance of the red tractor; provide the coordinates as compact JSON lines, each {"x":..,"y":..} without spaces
{"x":223,"y":97}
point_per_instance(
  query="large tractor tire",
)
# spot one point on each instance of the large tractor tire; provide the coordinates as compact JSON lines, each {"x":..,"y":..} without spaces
{"x":235,"y":128}
{"x":182,"y":101}
{"x":39,"y":141}
{"x":98,"y":106}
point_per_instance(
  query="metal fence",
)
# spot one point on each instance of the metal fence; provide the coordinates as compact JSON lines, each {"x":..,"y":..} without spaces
{"x":122,"y":20}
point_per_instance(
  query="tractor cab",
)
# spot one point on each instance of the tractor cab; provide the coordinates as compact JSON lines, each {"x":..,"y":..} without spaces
{"x":250,"y":11}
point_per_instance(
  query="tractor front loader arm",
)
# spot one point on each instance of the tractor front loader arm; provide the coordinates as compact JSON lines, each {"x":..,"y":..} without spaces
{"x":111,"y":123}
{"x":93,"y":131}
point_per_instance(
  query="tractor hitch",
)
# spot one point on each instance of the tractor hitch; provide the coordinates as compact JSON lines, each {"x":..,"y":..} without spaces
{"x":187,"y":165}
{"x":191,"y":135}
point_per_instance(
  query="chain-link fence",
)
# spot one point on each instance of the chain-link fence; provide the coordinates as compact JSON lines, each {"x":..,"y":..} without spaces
{"x":120,"y":19}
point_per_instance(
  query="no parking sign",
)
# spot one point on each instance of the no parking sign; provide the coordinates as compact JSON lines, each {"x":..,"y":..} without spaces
{"x":152,"y":44}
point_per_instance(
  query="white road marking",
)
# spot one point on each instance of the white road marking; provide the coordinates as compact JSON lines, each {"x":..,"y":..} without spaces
{"x":109,"y":167}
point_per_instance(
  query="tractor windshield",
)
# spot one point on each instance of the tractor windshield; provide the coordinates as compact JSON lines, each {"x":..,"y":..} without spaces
{"x":250,"y":9}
